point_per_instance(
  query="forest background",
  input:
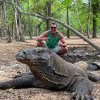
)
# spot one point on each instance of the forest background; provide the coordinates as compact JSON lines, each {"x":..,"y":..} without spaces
{"x":20,"y":18}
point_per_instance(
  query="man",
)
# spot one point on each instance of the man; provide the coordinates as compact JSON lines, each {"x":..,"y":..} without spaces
{"x":53,"y":40}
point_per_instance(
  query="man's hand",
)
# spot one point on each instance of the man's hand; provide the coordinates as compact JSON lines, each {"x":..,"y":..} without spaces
{"x":45,"y":39}
{"x":62,"y":44}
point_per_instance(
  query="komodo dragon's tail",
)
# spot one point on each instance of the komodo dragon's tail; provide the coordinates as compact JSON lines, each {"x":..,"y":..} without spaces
{"x":93,"y":77}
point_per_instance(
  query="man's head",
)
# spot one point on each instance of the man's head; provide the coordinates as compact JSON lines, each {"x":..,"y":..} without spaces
{"x":53,"y":27}
{"x":34,"y":56}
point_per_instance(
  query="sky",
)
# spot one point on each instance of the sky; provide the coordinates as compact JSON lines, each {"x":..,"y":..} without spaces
{"x":85,"y":1}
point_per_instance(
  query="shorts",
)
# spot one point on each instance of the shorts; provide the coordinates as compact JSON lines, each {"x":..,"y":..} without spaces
{"x":56,"y":49}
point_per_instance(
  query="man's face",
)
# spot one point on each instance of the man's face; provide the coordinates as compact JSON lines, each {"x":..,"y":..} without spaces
{"x":53,"y":28}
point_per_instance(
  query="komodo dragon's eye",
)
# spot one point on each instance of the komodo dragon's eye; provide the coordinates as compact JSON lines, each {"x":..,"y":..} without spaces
{"x":24,"y":52}
{"x":40,"y":52}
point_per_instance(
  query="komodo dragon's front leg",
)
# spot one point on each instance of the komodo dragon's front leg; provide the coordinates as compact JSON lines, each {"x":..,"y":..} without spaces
{"x":22,"y":82}
{"x":92,"y":77}
{"x":23,"y":74}
{"x":82,"y":89}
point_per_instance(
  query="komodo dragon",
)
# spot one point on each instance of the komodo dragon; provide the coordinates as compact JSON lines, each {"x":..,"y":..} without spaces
{"x":51,"y":72}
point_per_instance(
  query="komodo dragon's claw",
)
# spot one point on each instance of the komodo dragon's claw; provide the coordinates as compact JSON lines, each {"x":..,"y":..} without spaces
{"x":81,"y":96}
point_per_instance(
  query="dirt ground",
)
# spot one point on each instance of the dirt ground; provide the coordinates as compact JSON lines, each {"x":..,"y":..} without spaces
{"x":9,"y":67}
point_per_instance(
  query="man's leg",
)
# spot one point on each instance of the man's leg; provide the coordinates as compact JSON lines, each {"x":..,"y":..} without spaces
{"x":62,"y":50}
{"x":40,"y":44}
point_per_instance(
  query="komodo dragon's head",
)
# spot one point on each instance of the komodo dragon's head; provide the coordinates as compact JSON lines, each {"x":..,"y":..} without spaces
{"x":34,"y":56}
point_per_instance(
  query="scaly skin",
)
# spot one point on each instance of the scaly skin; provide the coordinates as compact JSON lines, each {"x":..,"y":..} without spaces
{"x":51,"y":72}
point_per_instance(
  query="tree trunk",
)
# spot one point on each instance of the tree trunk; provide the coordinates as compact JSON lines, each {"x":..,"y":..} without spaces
{"x":1,"y":10}
{"x":67,"y":20}
{"x":1,"y":16}
{"x":94,"y":19}
{"x":19,"y":25}
{"x":9,"y":40}
{"x":88,"y":24}
{"x":80,"y":29}
{"x":17,"y":37}
{"x":13,"y":30}
{"x":48,"y":13}
{"x":20,"y":29}
{"x":29,"y":26}
{"x":38,"y":27}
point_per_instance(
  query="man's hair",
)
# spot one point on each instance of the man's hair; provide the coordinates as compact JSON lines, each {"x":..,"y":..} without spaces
{"x":54,"y":23}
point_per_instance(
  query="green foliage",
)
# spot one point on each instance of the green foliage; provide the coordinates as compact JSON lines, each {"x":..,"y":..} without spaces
{"x":10,"y":14}
{"x":65,"y":3}
{"x":96,"y":1}
{"x":58,"y":11}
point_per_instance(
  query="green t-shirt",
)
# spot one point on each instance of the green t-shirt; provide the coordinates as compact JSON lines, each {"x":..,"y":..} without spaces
{"x":52,"y":41}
